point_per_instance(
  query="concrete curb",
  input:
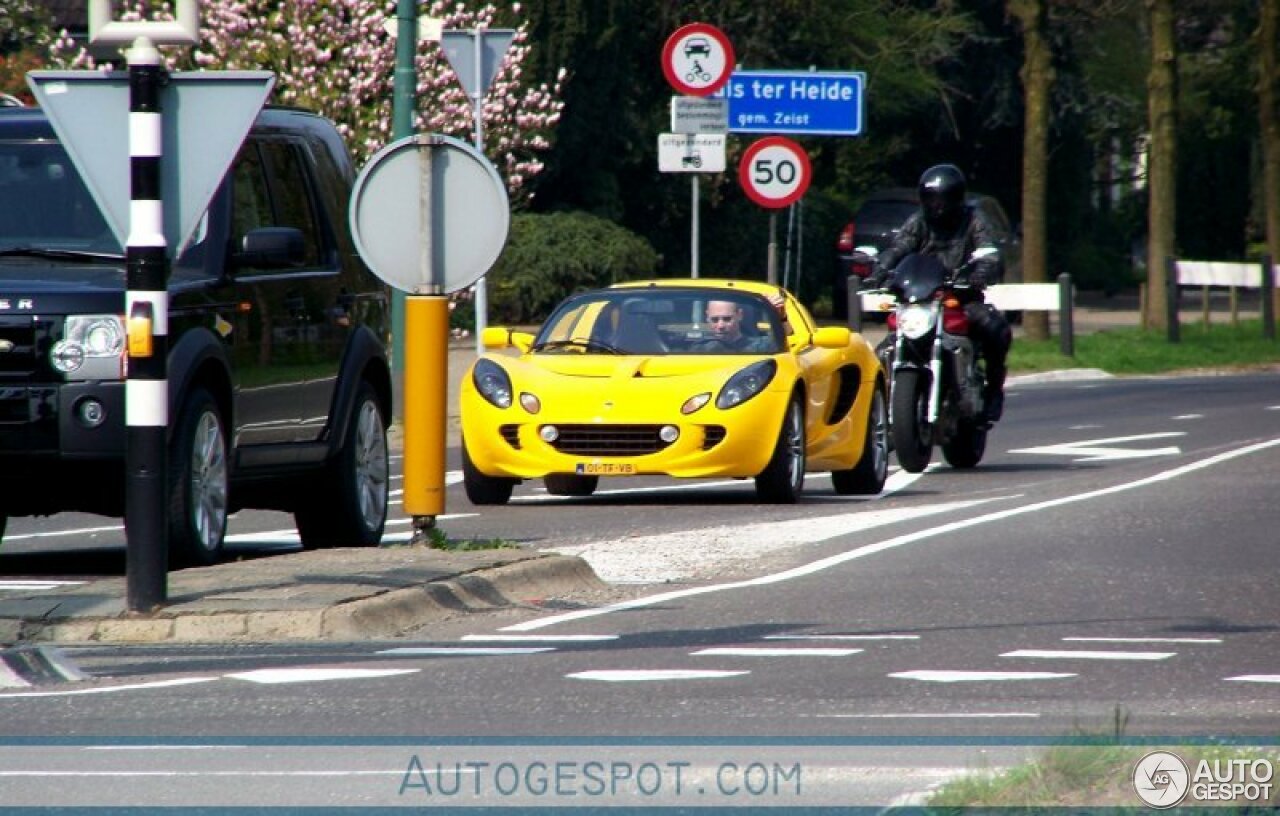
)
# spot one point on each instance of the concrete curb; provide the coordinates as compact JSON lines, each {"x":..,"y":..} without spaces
{"x":384,"y":614}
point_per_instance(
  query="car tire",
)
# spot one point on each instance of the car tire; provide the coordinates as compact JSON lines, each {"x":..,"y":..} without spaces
{"x":484,"y":490}
{"x":351,"y":510}
{"x":867,"y":477}
{"x":567,"y":484}
{"x":782,"y":480}
{"x":198,"y":482}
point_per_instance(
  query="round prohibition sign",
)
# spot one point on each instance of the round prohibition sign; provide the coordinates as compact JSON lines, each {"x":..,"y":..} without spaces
{"x":775,"y":172}
{"x":697,"y":59}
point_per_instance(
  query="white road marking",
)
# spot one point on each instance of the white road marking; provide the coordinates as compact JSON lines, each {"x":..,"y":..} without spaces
{"x":1100,"y":450}
{"x":277,"y":676}
{"x":977,"y":676}
{"x":841,"y":637}
{"x":465,"y":651}
{"x":36,"y":586}
{"x":941,"y":531}
{"x":56,"y":533}
{"x":756,"y":651}
{"x":1070,"y":654}
{"x":1140,"y":640}
{"x":1082,"y":427}
{"x":1255,"y":678}
{"x":181,"y":681}
{"x":644,"y":675}
{"x":1189,"y":416}
{"x":664,"y":557}
{"x":915,"y":715}
{"x":541,"y":638}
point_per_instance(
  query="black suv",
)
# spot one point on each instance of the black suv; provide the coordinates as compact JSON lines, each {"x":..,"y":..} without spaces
{"x":279,"y":387}
{"x":878,"y":220}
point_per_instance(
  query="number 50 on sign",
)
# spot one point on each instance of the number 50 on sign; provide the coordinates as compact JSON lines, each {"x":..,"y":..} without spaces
{"x":775,"y":172}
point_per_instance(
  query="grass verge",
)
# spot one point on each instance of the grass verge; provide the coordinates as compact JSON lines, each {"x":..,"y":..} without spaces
{"x":1138,"y":351}
{"x":1090,"y":777}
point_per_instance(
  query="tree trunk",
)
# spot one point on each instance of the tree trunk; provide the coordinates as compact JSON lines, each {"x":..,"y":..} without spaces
{"x":1162,"y":158}
{"x":1037,"y":86}
{"x":1269,"y":120}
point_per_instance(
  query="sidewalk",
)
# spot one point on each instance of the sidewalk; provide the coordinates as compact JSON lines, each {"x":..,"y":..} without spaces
{"x":338,"y":594}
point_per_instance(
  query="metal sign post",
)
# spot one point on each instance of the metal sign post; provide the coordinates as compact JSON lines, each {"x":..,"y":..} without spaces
{"x":476,"y":56}
{"x":146,"y":304}
{"x":429,"y":215}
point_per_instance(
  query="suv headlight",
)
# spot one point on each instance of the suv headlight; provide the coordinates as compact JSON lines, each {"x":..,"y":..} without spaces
{"x":746,"y":384}
{"x":92,"y":347}
{"x":493,"y":382}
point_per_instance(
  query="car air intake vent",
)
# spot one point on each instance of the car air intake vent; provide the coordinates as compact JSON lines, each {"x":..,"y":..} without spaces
{"x":18,"y":345}
{"x":609,"y":440}
{"x":511,"y":433}
{"x":712,"y":435}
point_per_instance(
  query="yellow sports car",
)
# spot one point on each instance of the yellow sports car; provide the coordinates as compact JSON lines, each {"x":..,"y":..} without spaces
{"x":686,"y":378}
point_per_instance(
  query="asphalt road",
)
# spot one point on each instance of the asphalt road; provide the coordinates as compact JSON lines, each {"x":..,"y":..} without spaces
{"x":1109,"y":566}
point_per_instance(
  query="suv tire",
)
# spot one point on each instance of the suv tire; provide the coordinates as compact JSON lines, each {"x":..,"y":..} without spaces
{"x":351,"y":508}
{"x":198,"y":482}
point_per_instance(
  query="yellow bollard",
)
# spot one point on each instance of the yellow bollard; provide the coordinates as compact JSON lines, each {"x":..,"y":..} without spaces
{"x":426,"y":390}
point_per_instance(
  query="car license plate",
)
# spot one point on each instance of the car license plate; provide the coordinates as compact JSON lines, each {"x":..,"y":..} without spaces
{"x":604,"y":469}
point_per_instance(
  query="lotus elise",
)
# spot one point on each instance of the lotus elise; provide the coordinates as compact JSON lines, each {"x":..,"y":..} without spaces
{"x":686,"y":378}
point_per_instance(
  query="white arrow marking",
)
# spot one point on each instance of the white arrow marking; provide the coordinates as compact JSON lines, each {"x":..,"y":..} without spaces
{"x":642,"y":675}
{"x":976,"y":676}
{"x":1097,"y":450}
{"x":273,"y":676}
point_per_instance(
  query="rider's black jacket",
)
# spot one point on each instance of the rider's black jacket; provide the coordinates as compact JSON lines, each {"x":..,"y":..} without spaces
{"x":952,"y":247}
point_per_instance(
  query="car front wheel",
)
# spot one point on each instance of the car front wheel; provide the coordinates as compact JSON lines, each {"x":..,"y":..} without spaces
{"x":782,"y":480}
{"x":198,"y":483}
{"x":867,"y":477}
{"x":352,"y":508}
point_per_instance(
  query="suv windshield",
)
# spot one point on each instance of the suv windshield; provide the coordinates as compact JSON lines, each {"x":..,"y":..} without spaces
{"x":44,"y":204}
{"x":662,"y":321}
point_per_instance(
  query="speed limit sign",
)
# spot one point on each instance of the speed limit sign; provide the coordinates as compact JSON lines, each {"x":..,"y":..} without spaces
{"x":775,"y":172}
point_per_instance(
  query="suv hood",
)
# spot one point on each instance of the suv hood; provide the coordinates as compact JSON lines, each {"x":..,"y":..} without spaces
{"x":40,"y":287}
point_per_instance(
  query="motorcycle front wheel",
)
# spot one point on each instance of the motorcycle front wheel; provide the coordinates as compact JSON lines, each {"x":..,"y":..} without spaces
{"x":911,"y":432}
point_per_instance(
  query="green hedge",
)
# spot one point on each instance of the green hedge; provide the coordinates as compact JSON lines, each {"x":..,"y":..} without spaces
{"x":552,"y":255}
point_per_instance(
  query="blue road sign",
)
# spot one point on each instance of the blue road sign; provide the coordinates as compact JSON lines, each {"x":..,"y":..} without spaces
{"x":806,"y":103}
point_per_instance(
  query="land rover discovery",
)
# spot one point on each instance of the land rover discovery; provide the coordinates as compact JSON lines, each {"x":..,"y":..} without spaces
{"x":279,"y":386}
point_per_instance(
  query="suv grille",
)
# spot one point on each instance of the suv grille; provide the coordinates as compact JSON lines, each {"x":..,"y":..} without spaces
{"x":19,"y":343}
{"x":609,"y":440}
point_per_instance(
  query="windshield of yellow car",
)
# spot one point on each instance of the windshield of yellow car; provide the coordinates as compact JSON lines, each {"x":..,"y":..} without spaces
{"x":662,"y":321}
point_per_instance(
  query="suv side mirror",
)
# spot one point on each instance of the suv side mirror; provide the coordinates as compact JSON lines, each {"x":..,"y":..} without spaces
{"x":271,"y":248}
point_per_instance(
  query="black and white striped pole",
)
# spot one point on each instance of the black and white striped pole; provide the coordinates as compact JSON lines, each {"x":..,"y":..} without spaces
{"x":146,"y":300}
{"x":146,"y":310}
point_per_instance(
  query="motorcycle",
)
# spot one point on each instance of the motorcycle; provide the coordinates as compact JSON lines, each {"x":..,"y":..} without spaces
{"x":936,"y":379}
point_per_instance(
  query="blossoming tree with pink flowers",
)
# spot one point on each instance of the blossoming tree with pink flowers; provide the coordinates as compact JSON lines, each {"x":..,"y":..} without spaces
{"x":337,"y":57}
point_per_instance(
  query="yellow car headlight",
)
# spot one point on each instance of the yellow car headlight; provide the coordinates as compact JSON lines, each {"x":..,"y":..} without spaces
{"x":746,"y":384}
{"x":493,"y":382}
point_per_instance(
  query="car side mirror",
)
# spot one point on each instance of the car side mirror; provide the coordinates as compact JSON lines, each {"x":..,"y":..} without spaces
{"x":496,"y":338}
{"x":271,"y":248}
{"x":832,"y":337}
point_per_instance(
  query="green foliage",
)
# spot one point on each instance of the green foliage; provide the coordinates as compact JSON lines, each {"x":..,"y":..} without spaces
{"x":438,"y":539}
{"x":549,"y":256}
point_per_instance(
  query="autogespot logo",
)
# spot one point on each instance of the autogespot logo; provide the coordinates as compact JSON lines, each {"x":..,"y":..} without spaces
{"x":1161,"y":779}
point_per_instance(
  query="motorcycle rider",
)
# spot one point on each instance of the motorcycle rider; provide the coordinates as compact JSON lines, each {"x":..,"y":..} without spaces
{"x":947,"y":227}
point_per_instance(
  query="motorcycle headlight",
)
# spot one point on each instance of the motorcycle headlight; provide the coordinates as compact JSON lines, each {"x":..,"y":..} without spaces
{"x":915,"y":321}
{"x":92,"y":347}
{"x":746,"y":384}
{"x":493,"y":382}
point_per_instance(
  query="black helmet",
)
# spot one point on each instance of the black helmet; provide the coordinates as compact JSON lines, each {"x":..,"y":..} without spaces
{"x":942,"y":191}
